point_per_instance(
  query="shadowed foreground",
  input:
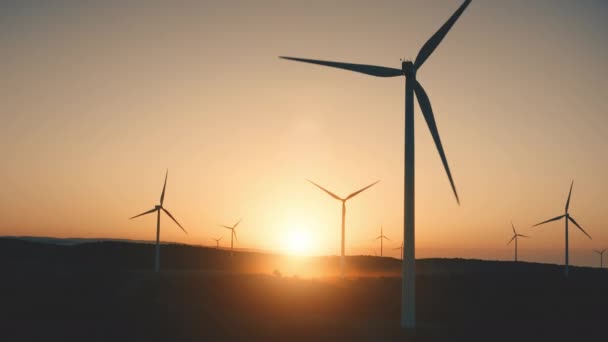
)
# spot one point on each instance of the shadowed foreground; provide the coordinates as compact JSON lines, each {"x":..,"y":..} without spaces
{"x":58,"y":293}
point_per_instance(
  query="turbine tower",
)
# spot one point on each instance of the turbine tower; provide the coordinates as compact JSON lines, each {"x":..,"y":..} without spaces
{"x":401,"y":248}
{"x":232,"y":235}
{"x":343,"y":200}
{"x":158,"y":209}
{"x":567,"y":218}
{"x":515,"y":237}
{"x":217,"y":242}
{"x":412,"y":86}
{"x":601,"y":253}
{"x":381,"y":237}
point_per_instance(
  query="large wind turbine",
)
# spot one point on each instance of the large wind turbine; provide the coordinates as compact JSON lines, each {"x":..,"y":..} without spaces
{"x":409,"y":69}
{"x":217,"y":242}
{"x":515,"y":237}
{"x":381,"y":237}
{"x":158,"y":209}
{"x":343,"y":200}
{"x":601,"y":253}
{"x":567,"y":218}
{"x":232,"y":235}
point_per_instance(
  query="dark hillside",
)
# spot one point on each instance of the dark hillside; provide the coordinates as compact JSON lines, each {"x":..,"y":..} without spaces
{"x":104,"y":291}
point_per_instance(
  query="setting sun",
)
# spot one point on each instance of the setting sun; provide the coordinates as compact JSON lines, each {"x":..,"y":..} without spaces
{"x":298,"y":241}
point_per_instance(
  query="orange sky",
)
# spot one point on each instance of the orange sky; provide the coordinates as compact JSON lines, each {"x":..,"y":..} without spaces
{"x":98,"y":100}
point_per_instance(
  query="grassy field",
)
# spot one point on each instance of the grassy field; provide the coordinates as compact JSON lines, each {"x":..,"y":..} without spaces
{"x":59,"y":293}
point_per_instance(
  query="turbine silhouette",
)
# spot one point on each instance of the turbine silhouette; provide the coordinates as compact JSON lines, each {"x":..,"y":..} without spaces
{"x":567,"y":218}
{"x":401,"y":248}
{"x":381,"y":237}
{"x":515,"y":237}
{"x":158,"y":209}
{"x":601,"y":253}
{"x":217,"y":242}
{"x":232,"y":235}
{"x":343,"y":200}
{"x":409,"y":69}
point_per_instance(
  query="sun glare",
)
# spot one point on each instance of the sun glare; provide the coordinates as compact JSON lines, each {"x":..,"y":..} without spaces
{"x":298,"y":241}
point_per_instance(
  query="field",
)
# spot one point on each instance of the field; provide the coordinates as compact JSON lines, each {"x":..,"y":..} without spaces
{"x":105,"y":292}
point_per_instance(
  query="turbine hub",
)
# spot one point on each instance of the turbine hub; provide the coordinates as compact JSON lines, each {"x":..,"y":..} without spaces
{"x":157,"y":207}
{"x":408,"y":68}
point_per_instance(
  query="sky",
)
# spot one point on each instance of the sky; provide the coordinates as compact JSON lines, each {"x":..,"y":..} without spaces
{"x":100,"y":98}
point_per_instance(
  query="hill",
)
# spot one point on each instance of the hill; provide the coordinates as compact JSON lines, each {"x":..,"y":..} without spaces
{"x":104,"y":291}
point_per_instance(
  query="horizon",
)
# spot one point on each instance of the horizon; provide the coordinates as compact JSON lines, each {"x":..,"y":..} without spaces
{"x":579,"y":257}
{"x":102,"y":98}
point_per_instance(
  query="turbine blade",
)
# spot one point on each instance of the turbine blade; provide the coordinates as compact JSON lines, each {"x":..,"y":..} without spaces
{"x":142,"y":214}
{"x":236,"y":224}
{"x":550,"y":220}
{"x":397,"y":248}
{"x":359,"y":191}
{"x":327,"y":191}
{"x":427,"y":111}
{"x":234,"y":232}
{"x":386,"y":238}
{"x":162,"y":195}
{"x":221,"y":225}
{"x":521,"y":235}
{"x":512,"y":226}
{"x":513,"y":238}
{"x":372,"y":70}
{"x":579,"y":227}
{"x":174,"y":220}
{"x":569,"y":194}
{"x":430,"y":46}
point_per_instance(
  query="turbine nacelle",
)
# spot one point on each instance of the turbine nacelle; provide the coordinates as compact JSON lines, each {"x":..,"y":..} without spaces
{"x":408,"y":67}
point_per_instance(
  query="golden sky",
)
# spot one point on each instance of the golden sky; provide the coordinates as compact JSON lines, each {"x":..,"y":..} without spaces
{"x":99,"y":99}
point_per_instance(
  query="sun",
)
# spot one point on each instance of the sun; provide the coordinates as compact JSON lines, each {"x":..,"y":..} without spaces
{"x":298,"y":241}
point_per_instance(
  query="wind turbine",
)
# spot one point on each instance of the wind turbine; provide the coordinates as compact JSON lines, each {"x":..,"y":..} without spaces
{"x":409,"y":69}
{"x":157,"y":209}
{"x":401,"y":248}
{"x":217,"y":242}
{"x":343,"y":200}
{"x":601,"y":253}
{"x":515,"y":237}
{"x":567,"y":218}
{"x":381,"y":237}
{"x":232,"y":235}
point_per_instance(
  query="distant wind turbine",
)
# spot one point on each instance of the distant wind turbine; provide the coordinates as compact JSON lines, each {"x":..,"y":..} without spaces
{"x":158,"y":209}
{"x":232,"y":235}
{"x":567,"y":218}
{"x":401,"y":248}
{"x":343,"y":200}
{"x":409,"y":69}
{"x":515,"y":237}
{"x":381,"y":237}
{"x":601,"y":253}
{"x":217,"y":242}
